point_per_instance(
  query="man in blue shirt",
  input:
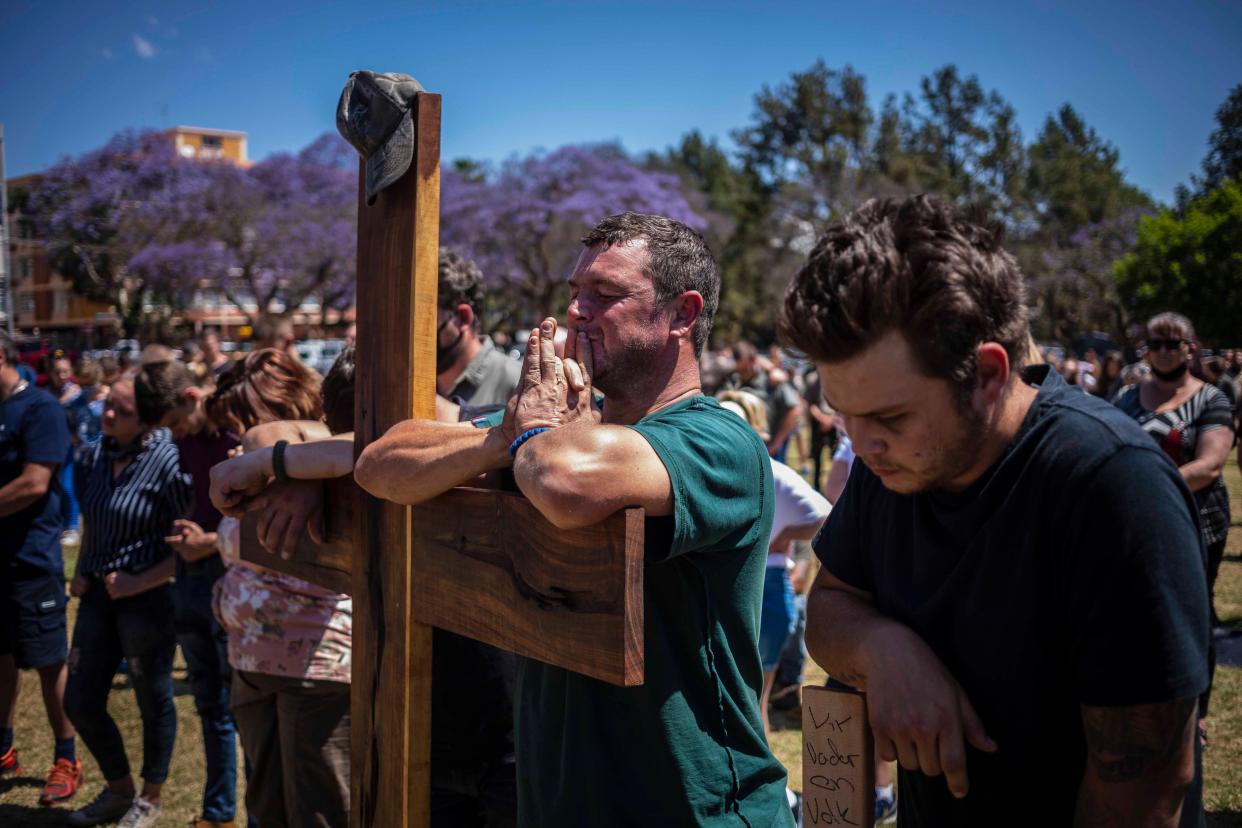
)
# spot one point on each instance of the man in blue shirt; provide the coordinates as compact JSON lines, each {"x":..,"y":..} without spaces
{"x":34,"y":441}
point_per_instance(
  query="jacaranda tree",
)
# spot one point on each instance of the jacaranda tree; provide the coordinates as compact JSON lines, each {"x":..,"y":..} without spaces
{"x":272,"y":236}
{"x":100,"y":210}
{"x":137,"y":226}
{"x":522,"y":223}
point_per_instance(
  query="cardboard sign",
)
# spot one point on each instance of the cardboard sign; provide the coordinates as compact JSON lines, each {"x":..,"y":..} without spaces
{"x":838,"y":762}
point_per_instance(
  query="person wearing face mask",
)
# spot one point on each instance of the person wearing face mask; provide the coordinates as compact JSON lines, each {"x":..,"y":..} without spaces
{"x":469,"y":369}
{"x":1193,"y":422}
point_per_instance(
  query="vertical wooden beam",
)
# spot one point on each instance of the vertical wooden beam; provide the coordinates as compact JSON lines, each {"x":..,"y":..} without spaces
{"x":398,"y":257}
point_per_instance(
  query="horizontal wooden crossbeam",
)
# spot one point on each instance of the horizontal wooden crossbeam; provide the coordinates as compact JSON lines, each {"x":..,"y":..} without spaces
{"x":489,"y":566}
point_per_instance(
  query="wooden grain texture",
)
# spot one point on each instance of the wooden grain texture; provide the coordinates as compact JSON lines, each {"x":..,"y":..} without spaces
{"x":326,"y":564}
{"x":489,"y":566}
{"x":838,"y":761}
{"x":398,"y":253}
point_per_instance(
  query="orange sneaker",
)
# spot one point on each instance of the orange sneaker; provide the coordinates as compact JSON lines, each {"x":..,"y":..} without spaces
{"x":63,"y":781}
{"x":9,"y":766}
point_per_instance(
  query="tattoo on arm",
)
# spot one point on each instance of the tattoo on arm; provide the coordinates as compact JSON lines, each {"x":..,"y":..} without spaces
{"x":1126,"y":743}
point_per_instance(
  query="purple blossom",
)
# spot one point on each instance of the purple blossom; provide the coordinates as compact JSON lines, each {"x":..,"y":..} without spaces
{"x":522,"y":224}
{"x":134,"y":220}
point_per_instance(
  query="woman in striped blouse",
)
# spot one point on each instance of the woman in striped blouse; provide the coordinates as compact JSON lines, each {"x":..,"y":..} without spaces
{"x":132,"y":489}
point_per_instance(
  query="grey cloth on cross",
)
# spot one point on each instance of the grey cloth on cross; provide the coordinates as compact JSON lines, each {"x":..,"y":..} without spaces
{"x":375,"y":115}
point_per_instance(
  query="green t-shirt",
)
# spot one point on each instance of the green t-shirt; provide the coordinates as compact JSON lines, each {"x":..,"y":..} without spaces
{"x":687,"y":747}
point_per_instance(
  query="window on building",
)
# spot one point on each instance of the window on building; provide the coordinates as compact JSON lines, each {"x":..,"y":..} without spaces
{"x":25,"y":304}
{"x":60,"y":304}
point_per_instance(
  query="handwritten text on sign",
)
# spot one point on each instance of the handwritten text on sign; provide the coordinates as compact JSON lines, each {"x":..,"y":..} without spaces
{"x":837,"y":764}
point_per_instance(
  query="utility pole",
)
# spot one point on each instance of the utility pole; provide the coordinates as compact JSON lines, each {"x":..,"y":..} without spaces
{"x":6,"y":272}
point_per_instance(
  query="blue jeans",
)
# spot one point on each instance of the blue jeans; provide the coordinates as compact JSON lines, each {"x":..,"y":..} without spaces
{"x":140,"y":630}
{"x":205,"y":647}
{"x":777,"y":618}
{"x":70,"y":509}
{"x":793,"y":655}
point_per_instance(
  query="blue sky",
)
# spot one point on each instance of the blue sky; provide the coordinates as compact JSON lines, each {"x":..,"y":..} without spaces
{"x":518,"y":76}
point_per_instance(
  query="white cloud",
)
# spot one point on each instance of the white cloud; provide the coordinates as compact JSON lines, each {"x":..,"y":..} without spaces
{"x":143,"y":48}
{"x":152,"y":21}
{"x":106,"y":53}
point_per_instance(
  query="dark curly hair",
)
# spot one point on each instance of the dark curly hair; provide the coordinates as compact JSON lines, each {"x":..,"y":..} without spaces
{"x":461,"y":283}
{"x":920,"y":267}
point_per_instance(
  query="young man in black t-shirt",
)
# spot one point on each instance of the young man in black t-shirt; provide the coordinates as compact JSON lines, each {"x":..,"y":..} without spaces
{"x":1013,"y":573}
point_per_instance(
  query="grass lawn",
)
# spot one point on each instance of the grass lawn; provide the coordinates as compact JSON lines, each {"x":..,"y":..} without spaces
{"x":19,"y":796}
{"x":182,"y":794}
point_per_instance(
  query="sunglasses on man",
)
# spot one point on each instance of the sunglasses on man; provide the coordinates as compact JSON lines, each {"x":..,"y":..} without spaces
{"x":1164,"y":344}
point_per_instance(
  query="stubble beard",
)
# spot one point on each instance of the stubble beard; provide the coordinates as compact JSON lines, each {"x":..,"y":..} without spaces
{"x":619,"y":373}
{"x":951,"y":457}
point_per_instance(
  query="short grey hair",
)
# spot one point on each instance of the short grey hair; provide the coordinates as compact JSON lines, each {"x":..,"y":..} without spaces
{"x":1170,"y":322}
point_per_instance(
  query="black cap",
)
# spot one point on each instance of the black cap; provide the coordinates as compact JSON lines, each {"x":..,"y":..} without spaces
{"x":375,"y":115}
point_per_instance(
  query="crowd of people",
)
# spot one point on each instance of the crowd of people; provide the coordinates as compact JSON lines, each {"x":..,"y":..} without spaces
{"x":1026,"y":530}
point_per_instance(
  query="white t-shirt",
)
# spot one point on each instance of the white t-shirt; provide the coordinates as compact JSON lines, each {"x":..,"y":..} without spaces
{"x":797,"y":504}
{"x":845,"y":451}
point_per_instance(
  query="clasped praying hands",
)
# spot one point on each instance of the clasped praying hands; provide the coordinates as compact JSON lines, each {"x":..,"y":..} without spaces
{"x":554,"y":391}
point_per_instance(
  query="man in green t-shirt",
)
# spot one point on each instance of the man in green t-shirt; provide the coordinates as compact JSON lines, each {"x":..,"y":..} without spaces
{"x":686,"y":747}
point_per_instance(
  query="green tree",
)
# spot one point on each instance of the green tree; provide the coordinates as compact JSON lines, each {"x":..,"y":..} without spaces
{"x":811,"y":140}
{"x":735,"y":201}
{"x":1074,"y":180}
{"x":1191,"y":263}
{"x":1224,"y":158}
{"x":964,"y":143}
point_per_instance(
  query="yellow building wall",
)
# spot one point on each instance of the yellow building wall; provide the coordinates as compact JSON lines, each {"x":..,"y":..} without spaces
{"x":209,"y":145}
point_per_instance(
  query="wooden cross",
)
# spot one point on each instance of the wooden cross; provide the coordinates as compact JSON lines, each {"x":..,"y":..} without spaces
{"x":480,"y":563}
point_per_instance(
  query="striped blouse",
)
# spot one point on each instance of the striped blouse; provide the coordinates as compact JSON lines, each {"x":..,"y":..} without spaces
{"x":126,"y":520}
{"x":1177,"y":432}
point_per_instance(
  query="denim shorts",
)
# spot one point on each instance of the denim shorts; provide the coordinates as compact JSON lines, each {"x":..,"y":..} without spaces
{"x":32,"y":617}
{"x":778,"y":617}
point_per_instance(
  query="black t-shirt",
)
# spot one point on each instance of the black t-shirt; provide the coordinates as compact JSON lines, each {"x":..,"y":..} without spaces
{"x":1071,"y":573}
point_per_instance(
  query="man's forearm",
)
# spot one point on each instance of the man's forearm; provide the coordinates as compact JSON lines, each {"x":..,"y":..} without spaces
{"x":839,"y":625}
{"x":420,"y":459}
{"x":19,"y":493}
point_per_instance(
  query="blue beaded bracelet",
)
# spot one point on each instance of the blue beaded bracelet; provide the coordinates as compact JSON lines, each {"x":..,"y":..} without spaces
{"x":523,"y":437}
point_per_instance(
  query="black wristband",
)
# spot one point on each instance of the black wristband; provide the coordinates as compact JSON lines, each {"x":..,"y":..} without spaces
{"x":278,"y":461}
